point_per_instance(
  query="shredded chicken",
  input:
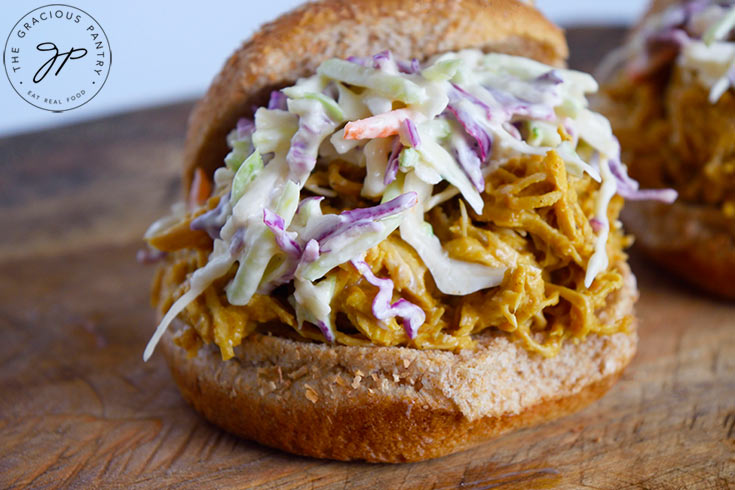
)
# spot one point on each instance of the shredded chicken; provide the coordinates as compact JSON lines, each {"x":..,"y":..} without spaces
{"x":535,"y":222}
{"x":672,"y":136}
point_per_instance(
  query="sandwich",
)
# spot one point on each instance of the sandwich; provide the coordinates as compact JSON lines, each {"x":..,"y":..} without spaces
{"x":400,"y":236}
{"x":668,"y":93}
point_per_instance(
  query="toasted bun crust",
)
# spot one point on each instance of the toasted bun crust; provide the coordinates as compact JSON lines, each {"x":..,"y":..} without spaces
{"x":695,"y":242}
{"x":295,"y":44}
{"x":396,"y":404}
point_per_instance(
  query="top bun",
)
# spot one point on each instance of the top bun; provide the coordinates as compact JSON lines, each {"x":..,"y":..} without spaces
{"x":295,"y":44}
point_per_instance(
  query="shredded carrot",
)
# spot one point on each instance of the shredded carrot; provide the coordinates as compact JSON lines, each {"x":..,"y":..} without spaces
{"x":201,"y":188}
{"x":379,"y":126}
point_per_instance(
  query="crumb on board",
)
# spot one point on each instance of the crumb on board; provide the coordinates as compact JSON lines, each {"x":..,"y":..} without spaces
{"x":356,"y":381}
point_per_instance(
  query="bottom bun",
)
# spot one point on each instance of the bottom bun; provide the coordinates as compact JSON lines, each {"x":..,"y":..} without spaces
{"x":695,"y":242}
{"x":396,"y":404}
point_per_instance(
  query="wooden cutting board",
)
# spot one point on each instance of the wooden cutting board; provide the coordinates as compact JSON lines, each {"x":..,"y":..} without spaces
{"x":79,"y":408}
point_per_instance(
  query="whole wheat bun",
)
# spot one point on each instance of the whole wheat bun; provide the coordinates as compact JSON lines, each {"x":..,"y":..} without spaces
{"x":382,"y":404}
{"x":296,"y":43}
{"x":696,"y":243}
{"x":397,"y":404}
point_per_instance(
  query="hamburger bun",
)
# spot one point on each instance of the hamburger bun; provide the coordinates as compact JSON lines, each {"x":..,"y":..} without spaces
{"x":382,"y":404}
{"x":396,"y":404}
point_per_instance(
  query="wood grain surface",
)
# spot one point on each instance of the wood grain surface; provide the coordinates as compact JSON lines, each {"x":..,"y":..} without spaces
{"x":79,"y":408}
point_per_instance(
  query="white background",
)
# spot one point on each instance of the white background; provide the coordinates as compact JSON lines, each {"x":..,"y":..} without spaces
{"x":168,"y":50}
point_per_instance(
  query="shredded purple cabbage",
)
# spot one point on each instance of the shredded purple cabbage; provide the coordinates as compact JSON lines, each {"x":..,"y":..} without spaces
{"x":237,"y":242}
{"x":409,"y":67}
{"x":149,"y":256}
{"x":569,"y":129}
{"x":469,"y":162}
{"x":245,"y":128}
{"x":513,"y":129}
{"x":354,"y":219}
{"x":332,"y":242}
{"x":551,"y":77}
{"x":516,"y":106}
{"x":277,"y":100}
{"x":358,"y":60}
{"x":394,"y":206}
{"x":311,"y":251}
{"x":296,"y":254}
{"x":628,"y":188}
{"x":300,"y":161}
{"x":391,"y":169}
{"x":474,"y":100}
{"x":330,"y":226}
{"x":384,"y":61}
{"x":662,"y":195}
{"x":328,"y":334}
{"x":286,"y":240}
{"x":412,"y":316}
{"x":471,"y":126}
{"x":596,"y":225}
{"x":411,"y":132}
{"x":213,"y":220}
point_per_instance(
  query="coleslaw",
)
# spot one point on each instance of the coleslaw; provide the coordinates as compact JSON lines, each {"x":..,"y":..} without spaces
{"x":697,"y":35}
{"x":424,"y":133}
